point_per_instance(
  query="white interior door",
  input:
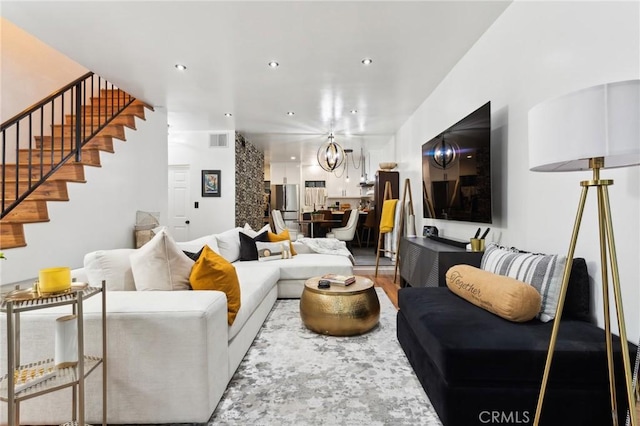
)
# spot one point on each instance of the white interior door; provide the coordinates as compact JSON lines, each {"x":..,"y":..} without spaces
{"x":179,"y":202}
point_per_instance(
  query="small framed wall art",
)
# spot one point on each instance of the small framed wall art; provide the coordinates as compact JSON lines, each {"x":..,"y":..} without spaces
{"x":211,"y":183}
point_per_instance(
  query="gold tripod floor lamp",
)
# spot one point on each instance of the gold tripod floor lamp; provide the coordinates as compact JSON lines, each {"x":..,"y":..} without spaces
{"x":594,"y":128}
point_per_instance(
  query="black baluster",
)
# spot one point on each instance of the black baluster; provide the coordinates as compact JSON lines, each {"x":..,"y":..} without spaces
{"x":78,"y":123}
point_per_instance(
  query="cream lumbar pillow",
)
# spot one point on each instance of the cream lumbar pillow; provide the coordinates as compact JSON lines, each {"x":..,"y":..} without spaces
{"x":282,"y":237}
{"x":273,"y":251}
{"x":504,"y":296}
{"x":161,"y":265}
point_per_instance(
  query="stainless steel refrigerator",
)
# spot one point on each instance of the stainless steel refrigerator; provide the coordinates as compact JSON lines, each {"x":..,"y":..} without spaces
{"x":286,"y":198}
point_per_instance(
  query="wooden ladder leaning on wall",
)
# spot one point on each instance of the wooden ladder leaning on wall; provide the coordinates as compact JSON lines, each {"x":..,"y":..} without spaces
{"x":406,"y":190}
{"x":388,"y":196}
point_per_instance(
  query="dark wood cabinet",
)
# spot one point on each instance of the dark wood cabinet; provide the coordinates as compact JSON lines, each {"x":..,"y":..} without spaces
{"x":424,"y":262}
{"x":378,"y":193}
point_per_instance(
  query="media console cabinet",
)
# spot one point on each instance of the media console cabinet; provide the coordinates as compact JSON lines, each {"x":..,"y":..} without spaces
{"x":424,"y":262}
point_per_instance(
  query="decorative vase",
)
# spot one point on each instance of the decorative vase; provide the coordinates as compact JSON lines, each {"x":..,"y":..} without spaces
{"x":53,"y":280}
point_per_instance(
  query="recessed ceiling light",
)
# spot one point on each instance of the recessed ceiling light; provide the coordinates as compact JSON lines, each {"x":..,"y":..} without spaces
{"x":274,"y":64}
{"x":367,"y":61}
{"x":293,"y":158}
{"x":354,"y":111}
{"x":228,"y":114}
{"x":181,"y":67}
{"x":290,"y":113}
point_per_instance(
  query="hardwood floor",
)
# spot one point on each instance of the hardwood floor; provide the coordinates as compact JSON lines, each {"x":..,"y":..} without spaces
{"x":385,"y":281}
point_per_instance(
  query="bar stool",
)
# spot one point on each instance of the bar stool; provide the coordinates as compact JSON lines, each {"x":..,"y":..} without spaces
{"x":368,"y":225}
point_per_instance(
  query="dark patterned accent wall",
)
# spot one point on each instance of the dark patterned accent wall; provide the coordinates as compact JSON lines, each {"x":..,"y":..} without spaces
{"x":249,"y":183}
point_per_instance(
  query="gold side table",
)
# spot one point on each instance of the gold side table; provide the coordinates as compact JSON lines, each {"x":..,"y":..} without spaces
{"x":340,"y":310}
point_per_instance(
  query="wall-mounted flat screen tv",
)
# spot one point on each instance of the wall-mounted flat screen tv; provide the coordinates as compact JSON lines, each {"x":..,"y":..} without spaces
{"x":456,"y":170}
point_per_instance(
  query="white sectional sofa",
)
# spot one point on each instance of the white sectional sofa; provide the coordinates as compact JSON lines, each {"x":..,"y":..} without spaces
{"x":170,"y":354}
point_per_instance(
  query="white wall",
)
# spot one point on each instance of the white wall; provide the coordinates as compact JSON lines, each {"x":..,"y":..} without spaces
{"x":22,"y":61}
{"x":215,"y":214}
{"x":285,"y":172}
{"x":101,"y":213}
{"x":535,"y":51}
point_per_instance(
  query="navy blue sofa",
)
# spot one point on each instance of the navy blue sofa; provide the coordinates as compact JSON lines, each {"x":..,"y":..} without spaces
{"x":478,"y":368}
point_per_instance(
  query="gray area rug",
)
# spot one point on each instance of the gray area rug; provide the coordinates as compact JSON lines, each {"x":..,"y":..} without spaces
{"x":293,"y":376}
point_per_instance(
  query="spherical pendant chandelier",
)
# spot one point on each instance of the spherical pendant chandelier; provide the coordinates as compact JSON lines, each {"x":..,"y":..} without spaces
{"x":330,"y":155}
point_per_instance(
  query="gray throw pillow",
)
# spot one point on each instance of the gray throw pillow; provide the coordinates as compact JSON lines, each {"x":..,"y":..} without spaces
{"x":543,"y":272}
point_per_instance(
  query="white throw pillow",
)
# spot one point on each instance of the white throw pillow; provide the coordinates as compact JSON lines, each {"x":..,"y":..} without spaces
{"x":194,"y":246}
{"x":250,"y":232}
{"x":112,"y":266}
{"x":229,"y":244}
{"x":161,"y":265}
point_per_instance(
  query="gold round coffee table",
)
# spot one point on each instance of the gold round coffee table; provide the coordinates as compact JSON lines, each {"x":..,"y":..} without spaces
{"x":340,"y":310}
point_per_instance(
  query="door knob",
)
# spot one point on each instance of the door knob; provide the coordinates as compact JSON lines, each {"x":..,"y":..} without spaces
{"x":187,"y":221}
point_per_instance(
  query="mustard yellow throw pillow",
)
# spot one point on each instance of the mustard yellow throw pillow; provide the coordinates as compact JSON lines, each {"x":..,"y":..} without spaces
{"x":283,"y":236}
{"x":213,"y":272}
{"x":504,"y":296}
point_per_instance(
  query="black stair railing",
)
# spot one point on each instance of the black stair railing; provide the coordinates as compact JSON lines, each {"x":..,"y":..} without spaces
{"x":40,"y":140}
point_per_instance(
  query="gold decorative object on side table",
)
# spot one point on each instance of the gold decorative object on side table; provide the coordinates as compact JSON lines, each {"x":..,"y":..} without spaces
{"x":340,"y":310}
{"x":33,"y":293}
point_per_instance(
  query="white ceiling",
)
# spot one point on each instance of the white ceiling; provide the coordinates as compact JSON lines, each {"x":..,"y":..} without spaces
{"x":226,"y":47}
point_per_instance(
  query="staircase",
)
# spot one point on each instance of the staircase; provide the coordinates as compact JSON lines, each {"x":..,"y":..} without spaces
{"x":46,"y":157}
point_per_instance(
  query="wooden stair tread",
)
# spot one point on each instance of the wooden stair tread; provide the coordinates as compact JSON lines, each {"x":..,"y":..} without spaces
{"x":28,"y":211}
{"x":134,"y":109}
{"x":115,"y":91}
{"x":124,"y":119}
{"x":71,"y":172}
{"x":23,"y":221}
{"x":107,"y":100}
{"x":103,"y":143}
{"x":58,"y":153}
{"x":53,"y":191}
{"x":86,"y":160}
{"x":18,"y":176}
{"x":48,"y":150}
{"x":113,"y":130}
{"x":11,"y":235}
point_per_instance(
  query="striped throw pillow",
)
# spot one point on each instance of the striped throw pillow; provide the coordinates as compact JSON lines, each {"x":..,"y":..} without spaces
{"x":543,"y":272}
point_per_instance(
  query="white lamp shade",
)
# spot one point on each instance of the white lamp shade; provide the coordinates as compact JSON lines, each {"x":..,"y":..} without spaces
{"x":600,"y":121}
